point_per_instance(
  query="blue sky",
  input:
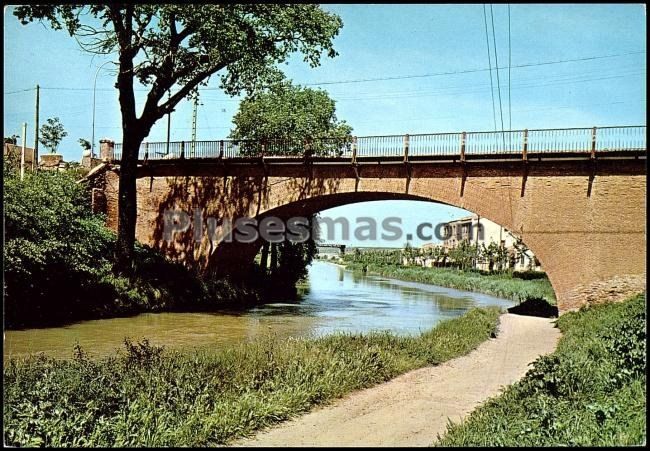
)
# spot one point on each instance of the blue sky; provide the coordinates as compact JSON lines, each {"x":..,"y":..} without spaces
{"x":383,"y":41}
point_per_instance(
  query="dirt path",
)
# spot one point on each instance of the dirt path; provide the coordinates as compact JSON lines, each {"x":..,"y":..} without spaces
{"x":412,"y":409}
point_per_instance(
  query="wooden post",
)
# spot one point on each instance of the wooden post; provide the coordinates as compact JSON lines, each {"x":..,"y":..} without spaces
{"x":354,"y":150}
{"x":22,"y":153}
{"x":524,"y":151}
{"x":593,"y":143}
{"x":182,"y":149}
{"x":146,"y":151}
{"x":406,"y":148}
{"x":221,"y":149}
{"x":463,"y":139}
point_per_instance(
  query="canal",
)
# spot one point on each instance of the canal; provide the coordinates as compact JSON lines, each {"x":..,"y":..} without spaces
{"x":331,"y":300}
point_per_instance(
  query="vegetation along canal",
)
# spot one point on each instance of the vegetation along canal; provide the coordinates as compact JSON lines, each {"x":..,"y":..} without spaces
{"x":331,"y":300}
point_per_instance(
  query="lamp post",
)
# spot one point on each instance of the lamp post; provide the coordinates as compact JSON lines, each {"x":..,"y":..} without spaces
{"x":92,"y":143}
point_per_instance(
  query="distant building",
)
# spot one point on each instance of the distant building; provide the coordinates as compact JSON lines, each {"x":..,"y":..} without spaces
{"x":13,"y":152}
{"x":481,"y":231}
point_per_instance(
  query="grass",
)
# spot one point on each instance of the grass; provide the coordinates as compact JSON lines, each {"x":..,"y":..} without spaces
{"x":147,"y":396}
{"x":500,"y":285}
{"x":590,"y":392}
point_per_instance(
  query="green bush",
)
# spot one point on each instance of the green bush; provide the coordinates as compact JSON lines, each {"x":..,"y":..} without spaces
{"x":58,"y":260}
{"x":590,"y":392}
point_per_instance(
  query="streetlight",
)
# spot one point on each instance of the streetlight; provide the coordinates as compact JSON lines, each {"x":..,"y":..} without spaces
{"x":92,"y":143}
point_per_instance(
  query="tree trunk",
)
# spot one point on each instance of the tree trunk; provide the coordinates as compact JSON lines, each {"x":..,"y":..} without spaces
{"x":127,"y":205}
{"x":265,"y":256}
{"x":274,"y":258}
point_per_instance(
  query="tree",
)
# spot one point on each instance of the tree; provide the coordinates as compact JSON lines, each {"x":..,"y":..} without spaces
{"x":182,"y":46}
{"x":52,"y":133}
{"x":85,"y":144}
{"x":13,"y":139}
{"x":287,"y":116}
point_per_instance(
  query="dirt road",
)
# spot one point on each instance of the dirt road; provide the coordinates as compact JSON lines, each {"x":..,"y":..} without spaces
{"x":412,"y":409}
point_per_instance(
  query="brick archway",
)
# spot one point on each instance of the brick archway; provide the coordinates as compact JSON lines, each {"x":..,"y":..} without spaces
{"x":585,"y":223}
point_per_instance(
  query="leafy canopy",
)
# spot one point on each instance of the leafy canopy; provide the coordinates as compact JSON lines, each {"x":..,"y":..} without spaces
{"x":52,"y":133}
{"x":291,"y":115}
{"x":166,"y":45}
{"x":288,"y":111}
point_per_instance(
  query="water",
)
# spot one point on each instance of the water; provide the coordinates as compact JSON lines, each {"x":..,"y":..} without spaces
{"x":332,"y":300}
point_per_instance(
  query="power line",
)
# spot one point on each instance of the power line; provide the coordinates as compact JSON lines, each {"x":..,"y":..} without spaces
{"x":20,"y":90}
{"x":487,"y":41}
{"x":544,"y":63}
{"x":496,"y":60}
{"x":478,"y":88}
{"x":460,"y":72}
{"x":509,"y":67}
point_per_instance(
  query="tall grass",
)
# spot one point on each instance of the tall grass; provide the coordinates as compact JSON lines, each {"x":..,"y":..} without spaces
{"x":591,"y":391}
{"x":147,"y":396}
{"x":501,"y":285}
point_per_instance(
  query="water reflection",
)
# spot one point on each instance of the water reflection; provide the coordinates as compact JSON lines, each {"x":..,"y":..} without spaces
{"x":332,"y":300}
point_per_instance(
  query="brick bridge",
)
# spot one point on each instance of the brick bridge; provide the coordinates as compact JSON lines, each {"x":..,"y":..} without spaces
{"x":576,"y":197}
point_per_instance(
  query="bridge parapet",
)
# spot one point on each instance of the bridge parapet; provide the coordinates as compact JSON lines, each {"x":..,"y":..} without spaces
{"x":593,"y":140}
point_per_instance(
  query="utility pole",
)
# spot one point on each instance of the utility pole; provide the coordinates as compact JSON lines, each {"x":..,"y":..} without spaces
{"x":35,"y":160}
{"x":196,"y":106}
{"x":22,"y":154}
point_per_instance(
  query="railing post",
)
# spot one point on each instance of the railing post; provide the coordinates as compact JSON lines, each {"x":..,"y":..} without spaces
{"x":307,"y":145}
{"x":263,"y":148}
{"x":463,"y":140}
{"x":406,"y":148}
{"x":146,"y":151}
{"x":182,"y":149}
{"x":221,"y":149}
{"x":524,"y":151}
{"x":354,"y":150}
{"x":593,"y":143}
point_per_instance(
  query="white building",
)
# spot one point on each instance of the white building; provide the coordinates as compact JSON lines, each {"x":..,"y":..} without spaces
{"x":481,"y":231}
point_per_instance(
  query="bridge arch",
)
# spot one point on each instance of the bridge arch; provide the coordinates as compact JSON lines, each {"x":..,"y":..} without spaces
{"x":307,"y":206}
{"x":584,"y":221}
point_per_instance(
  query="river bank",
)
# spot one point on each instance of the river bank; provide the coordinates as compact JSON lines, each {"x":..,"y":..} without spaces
{"x":500,"y":285}
{"x":590,"y":392}
{"x":413,"y":408}
{"x":146,"y":396}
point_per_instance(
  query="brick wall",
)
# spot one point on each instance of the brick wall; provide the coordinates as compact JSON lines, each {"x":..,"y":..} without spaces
{"x":588,"y":232}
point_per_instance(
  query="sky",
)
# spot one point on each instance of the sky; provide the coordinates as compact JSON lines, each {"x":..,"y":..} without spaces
{"x":585,"y":67}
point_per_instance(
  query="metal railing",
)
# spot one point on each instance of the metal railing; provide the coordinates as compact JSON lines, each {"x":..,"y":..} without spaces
{"x":582,"y":140}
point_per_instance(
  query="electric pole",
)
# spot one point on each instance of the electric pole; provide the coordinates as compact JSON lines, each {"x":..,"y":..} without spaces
{"x":35,"y":160}
{"x":22,"y":154}
{"x":196,"y":106}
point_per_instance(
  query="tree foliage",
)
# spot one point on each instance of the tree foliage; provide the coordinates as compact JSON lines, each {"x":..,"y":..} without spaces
{"x":58,"y":267}
{"x":85,"y":144}
{"x":13,"y":139}
{"x":291,"y":116}
{"x":52,"y":133}
{"x":181,"y":46}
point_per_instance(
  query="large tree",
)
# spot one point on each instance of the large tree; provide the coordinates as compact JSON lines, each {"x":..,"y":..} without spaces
{"x":287,"y":117}
{"x":181,"y":46}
